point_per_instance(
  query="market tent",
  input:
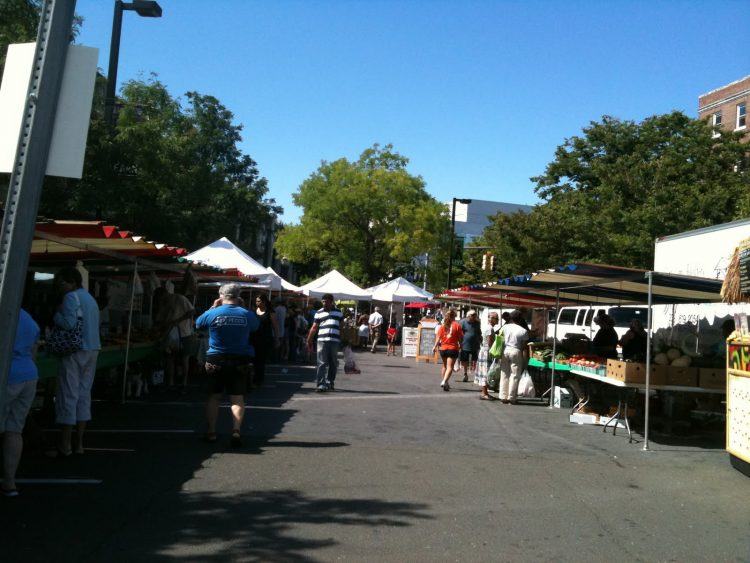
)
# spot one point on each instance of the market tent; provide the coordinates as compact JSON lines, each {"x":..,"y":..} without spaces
{"x":423,"y":305}
{"x":285,"y":285}
{"x":224,"y":254}
{"x":335,"y":283}
{"x":398,"y":290}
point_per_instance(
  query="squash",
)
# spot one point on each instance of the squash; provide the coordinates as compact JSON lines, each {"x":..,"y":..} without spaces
{"x":661,"y":359}
{"x":682,"y":362}
{"x":673,"y":354}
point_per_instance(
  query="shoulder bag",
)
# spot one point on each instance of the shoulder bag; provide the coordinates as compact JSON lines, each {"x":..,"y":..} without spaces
{"x":63,"y":342}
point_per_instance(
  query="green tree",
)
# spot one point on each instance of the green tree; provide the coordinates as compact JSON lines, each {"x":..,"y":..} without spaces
{"x":610,"y":192}
{"x":368,"y":218}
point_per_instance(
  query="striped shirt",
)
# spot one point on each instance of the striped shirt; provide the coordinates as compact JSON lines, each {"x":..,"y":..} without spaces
{"x":329,"y":325}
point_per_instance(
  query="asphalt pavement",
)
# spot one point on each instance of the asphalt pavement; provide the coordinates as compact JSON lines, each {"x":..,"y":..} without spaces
{"x":386,"y":468}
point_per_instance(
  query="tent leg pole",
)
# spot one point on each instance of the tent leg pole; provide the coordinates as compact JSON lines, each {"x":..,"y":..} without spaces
{"x":130,"y":326}
{"x":554,"y":350}
{"x":650,"y":276}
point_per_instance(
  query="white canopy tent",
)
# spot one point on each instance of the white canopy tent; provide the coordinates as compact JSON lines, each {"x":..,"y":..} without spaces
{"x":223,"y":253}
{"x":398,"y":290}
{"x":335,"y":283}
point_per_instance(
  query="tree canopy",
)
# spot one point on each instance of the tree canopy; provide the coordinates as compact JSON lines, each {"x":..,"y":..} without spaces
{"x":610,"y":192}
{"x":369,"y":218}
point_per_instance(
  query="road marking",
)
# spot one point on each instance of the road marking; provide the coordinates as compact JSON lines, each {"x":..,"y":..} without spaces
{"x":59,"y":481}
{"x":122,"y":450}
{"x":133,"y":431}
{"x":464,"y":395}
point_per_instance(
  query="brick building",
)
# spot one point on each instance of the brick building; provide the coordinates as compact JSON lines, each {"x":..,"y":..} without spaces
{"x":727,"y":107}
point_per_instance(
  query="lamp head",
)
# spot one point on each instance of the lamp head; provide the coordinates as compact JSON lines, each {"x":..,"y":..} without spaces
{"x":144,"y":8}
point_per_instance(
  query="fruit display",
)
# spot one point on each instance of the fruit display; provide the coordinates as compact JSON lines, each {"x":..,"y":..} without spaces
{"x":588,"y":362}
{"x":673,"y":357}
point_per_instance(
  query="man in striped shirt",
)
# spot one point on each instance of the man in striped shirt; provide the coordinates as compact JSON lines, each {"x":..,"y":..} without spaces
{"x":327,"y":326}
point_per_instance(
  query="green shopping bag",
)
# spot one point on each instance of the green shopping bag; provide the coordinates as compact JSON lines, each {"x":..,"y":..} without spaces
{"x":496,"y":351}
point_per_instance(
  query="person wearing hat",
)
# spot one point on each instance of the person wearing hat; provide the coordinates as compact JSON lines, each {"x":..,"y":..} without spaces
{"x":605,"y":340}
{"x":376,"y":323}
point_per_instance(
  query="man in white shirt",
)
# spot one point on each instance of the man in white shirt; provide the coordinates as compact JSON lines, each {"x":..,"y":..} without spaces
{"x":376,"y":323}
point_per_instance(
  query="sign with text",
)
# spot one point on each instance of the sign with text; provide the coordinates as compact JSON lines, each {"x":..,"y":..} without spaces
{"x":409,"y":337}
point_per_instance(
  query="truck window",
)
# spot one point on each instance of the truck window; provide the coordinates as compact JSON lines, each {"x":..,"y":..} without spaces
{"x":622,"y":315}
{"x":568,"y":316}
{"x":589,"y":317}
{"x":581,"y":315}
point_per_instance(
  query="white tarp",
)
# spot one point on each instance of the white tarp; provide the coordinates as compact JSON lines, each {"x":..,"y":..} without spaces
{"x":73,"y":108}
{"x":224,"y":254}
{"x":337,"y":285}
{"x":399,"y":290}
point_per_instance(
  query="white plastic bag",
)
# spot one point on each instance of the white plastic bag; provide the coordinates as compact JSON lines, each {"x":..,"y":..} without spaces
{"x":349,"y":358}
{"x":526,"y":386}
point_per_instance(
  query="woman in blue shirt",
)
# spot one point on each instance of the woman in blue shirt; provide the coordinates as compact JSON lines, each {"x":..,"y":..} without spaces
{"x":18,"y":397}
{"x":229,"y":355}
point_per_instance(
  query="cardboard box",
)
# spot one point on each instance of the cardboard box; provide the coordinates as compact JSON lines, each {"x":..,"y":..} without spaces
{"x":687,"y":377}
{"x":604,"y":420}
{"x":581,"y":418}
{"x":712,"y":378}
{"x":562,"y":398}
{"x":629,"y":372}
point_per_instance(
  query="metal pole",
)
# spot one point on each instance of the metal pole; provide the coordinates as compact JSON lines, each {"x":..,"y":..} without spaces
{"x":114,"y":55}
{"x":25,"y":184}
{"x":127,"y":339}
{"x":450,"y":253}
{"x":554,"y":349}
{"x":650,"y":276}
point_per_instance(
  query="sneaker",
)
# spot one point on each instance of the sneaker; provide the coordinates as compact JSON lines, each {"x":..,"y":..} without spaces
{"x":446,"y":387}
{"x":320,"y":389}
{"x":331,"y":386}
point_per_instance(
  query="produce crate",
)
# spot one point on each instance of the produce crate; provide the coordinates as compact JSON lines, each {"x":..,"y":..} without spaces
{"x":687,"y":377}
{"x":629,"y":372}
{"x":712,"y":378}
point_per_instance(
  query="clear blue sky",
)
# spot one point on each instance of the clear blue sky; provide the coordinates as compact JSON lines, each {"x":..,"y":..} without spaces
{"x":477,"y":94}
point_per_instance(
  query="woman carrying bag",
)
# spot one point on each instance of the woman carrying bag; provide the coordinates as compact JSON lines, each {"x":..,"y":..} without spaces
{"x":515,"y":337}
{"x":448,"y":342}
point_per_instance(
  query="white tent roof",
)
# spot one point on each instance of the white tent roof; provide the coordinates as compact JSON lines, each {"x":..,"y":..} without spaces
{"x":223,"y":253}
{"x":399,"y":290}
{"x":285,"y":285}
{"x":337,"y":285}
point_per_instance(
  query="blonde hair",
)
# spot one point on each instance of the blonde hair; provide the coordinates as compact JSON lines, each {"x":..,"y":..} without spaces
{"x":450,"y":316}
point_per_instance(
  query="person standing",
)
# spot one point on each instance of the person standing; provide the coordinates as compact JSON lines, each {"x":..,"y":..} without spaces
{"x":514,"y":356}
{"x":175,"y":319}
{"x":606,"y":339}
{"x":448,"y":342}
{"x":470,"y":342}
{"x":280,"y":312}
{"x":265,"y":340}
{"x":483,"y":359}
{"x":19,"y":394}
{"x":390,"y":336}
{"x":327,"y":327}
{"x":376,"y":323}
{"x":229,"y":356}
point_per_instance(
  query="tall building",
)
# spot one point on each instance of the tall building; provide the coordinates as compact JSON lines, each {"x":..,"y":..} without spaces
{"x":472,"y":218}
{"x":726,"y":107}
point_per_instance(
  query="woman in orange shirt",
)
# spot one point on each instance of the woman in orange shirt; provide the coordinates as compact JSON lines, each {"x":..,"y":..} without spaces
{"x":448,"y":341}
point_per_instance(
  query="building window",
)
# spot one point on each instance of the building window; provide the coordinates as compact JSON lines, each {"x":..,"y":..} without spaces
{"x":741,"y":115}
{"x":716,"y":122}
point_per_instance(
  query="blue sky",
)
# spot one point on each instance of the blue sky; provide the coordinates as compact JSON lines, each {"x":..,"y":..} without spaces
{"x":476,"y":94}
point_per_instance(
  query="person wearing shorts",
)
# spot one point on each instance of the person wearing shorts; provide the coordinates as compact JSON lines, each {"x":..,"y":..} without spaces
{"x":448,"y":342}
{"x":18,"y":397}
{"x":228,"y":358}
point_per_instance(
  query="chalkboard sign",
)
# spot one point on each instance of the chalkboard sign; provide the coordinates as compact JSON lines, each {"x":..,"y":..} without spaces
{"x":426,"y":342}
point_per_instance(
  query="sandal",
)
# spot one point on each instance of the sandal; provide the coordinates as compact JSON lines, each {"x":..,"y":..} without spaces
{"x":236,"y":440}
{"x":57,"y":453}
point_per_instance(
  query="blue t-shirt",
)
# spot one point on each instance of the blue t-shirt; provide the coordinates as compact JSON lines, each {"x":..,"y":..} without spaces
{"x":22,"y":366}
{"x":229,"y":328}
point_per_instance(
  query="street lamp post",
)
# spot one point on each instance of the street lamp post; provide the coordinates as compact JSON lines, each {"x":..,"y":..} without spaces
{"x":453,"y":236}
{"x":144,"y":8}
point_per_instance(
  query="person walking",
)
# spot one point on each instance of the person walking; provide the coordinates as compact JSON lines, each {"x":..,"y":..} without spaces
{"x":483,"y":359}
{"x":470,"y":343}
{"x":264,"y":340}
{"x":280,"y":312}
{"x":228,"y":358}
{"x":20,"y":390}
{"x":76,"y":374}
{"x":448,"y":342}
{"x":327,"y":327}
{"x":514,"y":356}
{"x":376,"y":323}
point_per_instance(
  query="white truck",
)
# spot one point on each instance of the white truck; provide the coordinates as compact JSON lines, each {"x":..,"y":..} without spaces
{"x":706,"y":253}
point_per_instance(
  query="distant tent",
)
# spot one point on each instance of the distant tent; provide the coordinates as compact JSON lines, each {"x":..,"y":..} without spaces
{"x":223,"y":253}
{"x":399,"y":290}
{"x":337,"y":285}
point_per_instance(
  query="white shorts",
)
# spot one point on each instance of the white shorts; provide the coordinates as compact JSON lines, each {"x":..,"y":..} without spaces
{"x":16,"y":406}
{"x":74,"y":382}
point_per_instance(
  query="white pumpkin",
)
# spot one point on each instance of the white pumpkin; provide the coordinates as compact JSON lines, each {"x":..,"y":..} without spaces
{"x":673,"y":354}
{"x":682,"y":362}
{"x":661,"y":359}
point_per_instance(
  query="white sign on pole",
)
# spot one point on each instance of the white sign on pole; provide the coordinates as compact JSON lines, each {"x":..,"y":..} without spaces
{"x":409,"y":338}
{"x":73,"y":108}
